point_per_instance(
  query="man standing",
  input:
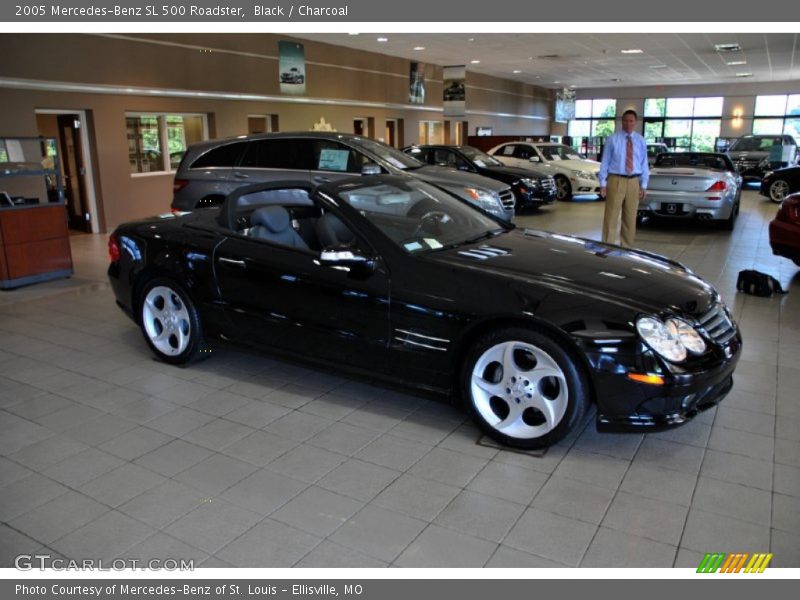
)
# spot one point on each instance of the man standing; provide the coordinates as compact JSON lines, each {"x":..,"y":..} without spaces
{"x":623,"y":181}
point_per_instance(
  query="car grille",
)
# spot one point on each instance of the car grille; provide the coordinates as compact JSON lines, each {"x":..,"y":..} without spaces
{"x":743,"y":165}
{"x":507,"y":199}
{"x":548,"y":183}
{"x":717,"y":324}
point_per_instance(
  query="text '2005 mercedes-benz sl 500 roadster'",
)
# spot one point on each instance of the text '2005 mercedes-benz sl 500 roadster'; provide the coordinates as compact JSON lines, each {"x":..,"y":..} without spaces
{"x":395,"y":279}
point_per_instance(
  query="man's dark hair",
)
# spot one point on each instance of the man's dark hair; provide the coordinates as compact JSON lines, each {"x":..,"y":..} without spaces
{"x":630,"y":111}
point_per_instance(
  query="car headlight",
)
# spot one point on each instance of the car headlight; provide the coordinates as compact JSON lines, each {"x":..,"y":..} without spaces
{"x":672,"y":338}
{"x":583,"y":174}
{"x":531,"y":183}
{"x":485,"y":200}
{"x":768,"y":174}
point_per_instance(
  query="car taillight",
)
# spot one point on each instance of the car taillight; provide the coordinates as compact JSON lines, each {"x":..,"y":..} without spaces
{"x":178,"y":185}
{"x":718,"y":186}
{"x":113,"y":248}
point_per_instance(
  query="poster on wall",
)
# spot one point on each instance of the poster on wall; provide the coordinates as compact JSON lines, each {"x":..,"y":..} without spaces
{"x":292,"y":68}
{"x":454,"y":93}
{"x":565,"y":105}
{"x":416,"y":84}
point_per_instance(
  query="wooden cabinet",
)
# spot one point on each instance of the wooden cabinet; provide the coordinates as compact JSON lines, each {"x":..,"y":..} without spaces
{"x":34,"y":245}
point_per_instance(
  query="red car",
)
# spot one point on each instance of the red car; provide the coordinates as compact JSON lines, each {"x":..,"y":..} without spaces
{"x":784,"y":229}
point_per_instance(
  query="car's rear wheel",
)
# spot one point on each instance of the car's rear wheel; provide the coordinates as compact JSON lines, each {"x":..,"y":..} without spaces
{"x":778,"y":190}
{"x":523,"y":388}
{"x":563,"y":188}
{"x":170,"y":322}
{"x":729,"y":223}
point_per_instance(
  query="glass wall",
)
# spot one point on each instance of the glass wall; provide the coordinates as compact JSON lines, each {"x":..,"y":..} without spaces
{"x":777,"y":114}
{"x":692,"y":123}
{"x":150,"y":134}
{"x":593,"y":118}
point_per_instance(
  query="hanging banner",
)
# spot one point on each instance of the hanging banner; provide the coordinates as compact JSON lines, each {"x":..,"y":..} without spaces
{"x":416,"y":84}
{"x":454,"y":91}
{"x":292,"y":68}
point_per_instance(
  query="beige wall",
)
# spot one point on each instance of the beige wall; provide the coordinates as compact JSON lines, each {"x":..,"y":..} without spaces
{"x":238,"y":64}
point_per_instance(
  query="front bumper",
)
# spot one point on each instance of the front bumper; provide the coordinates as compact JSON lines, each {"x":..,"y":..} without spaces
{"x":783,"y":239}
{"x":627,"y":405}
{"x":527,"y":197}
{"x":581,"y":187}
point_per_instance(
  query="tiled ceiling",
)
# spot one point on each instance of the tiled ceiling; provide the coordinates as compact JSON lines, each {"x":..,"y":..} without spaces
{"x":558,"y":60}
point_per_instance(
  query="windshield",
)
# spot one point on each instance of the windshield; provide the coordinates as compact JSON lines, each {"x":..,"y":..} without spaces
{"x":559,"y":152}
{"x":417,"y":216}
{"x":762,"y":144}
{"x":393,"y":156}
{"x":480,"y":158}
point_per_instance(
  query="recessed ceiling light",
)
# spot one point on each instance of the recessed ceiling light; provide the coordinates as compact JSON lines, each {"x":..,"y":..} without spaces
{"x":744,"y":74}
{"x":383,"y":39}
{"x":352,"y":34}
{"x":471,"y":40}
{"x":632,"y":51}
{"x":734,"y":63}
{"x":556,"y":82}
{"x":419,"y":47}
{"x":658,"y":66}
{"x":572,"y":85}
{"x":516,"y":71}
{"x":732,"y":47}
{"x":475,"y":62}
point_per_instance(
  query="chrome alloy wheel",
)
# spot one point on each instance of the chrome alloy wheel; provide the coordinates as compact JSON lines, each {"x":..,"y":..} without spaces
{"x":778,"y":190}
{"x":166,"y":321}
{"x":519,"y":390}
{"x":563,"y":188}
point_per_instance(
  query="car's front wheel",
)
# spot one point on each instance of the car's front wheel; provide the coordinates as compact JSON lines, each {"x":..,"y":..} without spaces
{"x":563,"y":188}
{"x":170,"y":322}
{"x":778,"y":190}
{"x":523,"y":389}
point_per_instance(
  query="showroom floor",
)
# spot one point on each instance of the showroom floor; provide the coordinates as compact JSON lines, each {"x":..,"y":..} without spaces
{"x":244,"y":460}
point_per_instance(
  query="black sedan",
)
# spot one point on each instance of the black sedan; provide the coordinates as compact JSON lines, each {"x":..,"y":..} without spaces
{"x":398,"y":280}
{"x":531,"y":188}
{"x":778,"y":184}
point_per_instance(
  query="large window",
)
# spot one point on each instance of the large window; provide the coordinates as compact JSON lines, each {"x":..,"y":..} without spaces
{"x":431,"y":132}
{"x":593,"y":118}
{"x":688,"y":123}
{"x":157,"y":142}
{"x":777,"y":114}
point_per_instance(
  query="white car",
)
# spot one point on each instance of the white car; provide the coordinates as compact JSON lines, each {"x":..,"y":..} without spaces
{"x":574,"y":174}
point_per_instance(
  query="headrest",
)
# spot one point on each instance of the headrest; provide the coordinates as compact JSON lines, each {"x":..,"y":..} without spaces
{"x":274,"y":218}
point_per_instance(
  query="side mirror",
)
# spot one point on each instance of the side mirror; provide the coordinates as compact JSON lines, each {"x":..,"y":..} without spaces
{"x":371,"y":169}
{"x":345,"y":259}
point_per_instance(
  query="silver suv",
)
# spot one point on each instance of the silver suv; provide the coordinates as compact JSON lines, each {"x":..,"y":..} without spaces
{"x":211,"y":170}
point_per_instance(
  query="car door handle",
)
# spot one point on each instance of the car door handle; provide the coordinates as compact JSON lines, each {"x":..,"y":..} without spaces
{"x":232,"y":261}
{"x":240,"y":175}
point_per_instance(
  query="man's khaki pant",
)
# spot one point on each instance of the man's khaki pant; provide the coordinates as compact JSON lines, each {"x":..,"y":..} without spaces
{"x":622,"y":199}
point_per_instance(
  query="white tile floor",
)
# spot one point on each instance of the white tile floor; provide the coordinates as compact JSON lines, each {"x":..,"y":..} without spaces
{"x":246,"y":460}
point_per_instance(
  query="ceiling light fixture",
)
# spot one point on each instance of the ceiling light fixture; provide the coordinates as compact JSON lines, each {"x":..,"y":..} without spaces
{"x":658,"y":66}
{"x":732,"y":47}
{"x":352,"y":33}
{"x":475,"y":62}
{"x":516,"y":71}
{"x":383,"y":39}
{"x":744,"y":74}
{"x":419,"y":47}
{"x":734,"y":63}
{"x":633,"y":51}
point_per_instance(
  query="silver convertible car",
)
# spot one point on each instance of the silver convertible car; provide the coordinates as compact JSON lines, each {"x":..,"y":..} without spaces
{"x":693,"y":185}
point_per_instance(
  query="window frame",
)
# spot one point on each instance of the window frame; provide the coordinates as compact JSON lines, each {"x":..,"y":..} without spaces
{"x":163,"y":136}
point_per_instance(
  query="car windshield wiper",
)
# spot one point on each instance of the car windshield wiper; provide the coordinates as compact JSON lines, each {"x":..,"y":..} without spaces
{"x":485,"y":235}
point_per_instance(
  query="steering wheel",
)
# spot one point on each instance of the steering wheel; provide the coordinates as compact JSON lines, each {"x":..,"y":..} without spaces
{"x":434,"y":218}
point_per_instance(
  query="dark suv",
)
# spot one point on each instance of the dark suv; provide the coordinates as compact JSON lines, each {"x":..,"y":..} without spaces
{"x":755,"y":155}
{"x":531,"y":188}
{"x":211,"y":170}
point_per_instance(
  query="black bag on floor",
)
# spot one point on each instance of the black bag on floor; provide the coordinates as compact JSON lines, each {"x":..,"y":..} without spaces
{"x":757,"y":283}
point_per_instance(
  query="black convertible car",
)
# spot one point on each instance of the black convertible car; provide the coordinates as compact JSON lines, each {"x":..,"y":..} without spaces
{"x":778,"y":184}
{"x":398,"y":280}
{"x":532,"y":189}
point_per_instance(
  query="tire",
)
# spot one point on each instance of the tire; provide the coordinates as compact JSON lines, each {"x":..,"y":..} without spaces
{"x":563,"y":188}
{"x":523,"y":388}
{"x":170,"y":322}
{"x":729,"y":223}
{"x":778,"y":190}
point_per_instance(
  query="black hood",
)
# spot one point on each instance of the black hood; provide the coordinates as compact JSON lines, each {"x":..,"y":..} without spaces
{"x":510,"y":174}
{"x":642,"y":281}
